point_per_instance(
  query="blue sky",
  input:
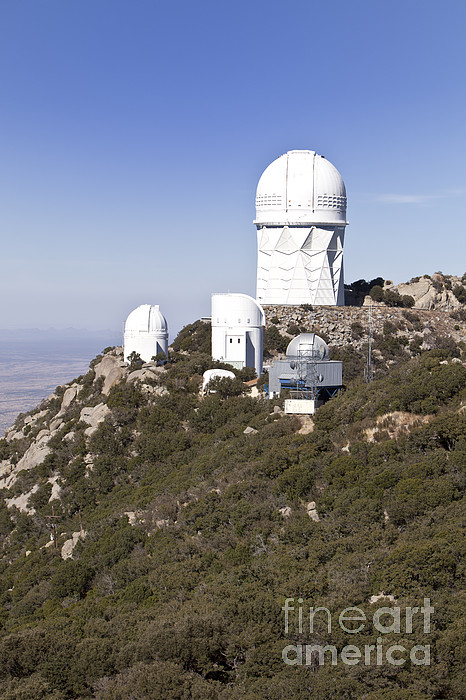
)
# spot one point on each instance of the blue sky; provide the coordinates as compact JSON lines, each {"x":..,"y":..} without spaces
{"x":134,"y":133}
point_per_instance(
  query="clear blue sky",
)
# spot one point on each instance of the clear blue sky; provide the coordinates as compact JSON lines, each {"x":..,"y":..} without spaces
{"x":133,"y":133}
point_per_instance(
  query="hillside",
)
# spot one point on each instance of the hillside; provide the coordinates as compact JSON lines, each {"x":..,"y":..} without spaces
{"x":151,"y":536}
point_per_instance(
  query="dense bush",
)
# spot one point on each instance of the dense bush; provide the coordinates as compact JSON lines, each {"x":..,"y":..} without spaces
{"x":460,"y":293}
{"x":274,"y":341}
{"x":195,"y":337}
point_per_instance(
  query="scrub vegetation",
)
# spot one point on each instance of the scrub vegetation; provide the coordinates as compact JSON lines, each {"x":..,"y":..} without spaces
{"x":196,"y":532}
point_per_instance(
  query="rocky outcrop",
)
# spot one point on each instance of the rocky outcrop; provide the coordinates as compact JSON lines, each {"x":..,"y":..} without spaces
{"x":69,"y":545}
{"x":312,"y":511}
{"x":21,"y":502}
{"x":93,"y":416}
{"x":33,"y":457}
{"x":69,"y":396}
{"x":432,"y":293}
{"x":348,"y":325}
{"x":112,"y":369}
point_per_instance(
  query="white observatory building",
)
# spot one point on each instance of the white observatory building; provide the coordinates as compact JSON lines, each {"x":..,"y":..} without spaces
{"x":300,"y":220}
{"x":146,"y":332}
{"x":238,"y":331}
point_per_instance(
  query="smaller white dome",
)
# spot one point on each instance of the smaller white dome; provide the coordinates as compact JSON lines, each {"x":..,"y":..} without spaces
{"x":211,"y":374}
{"x":308,"y":344}
{"x":146,"y":319}
{"x":146,"y":333}
{"x":236,"y":310}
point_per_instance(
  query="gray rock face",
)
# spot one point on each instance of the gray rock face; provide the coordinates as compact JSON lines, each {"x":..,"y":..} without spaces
{"x":21,"y":501}
{"x":312,"y":511}
{"x":33,"y":456}
{"x":426,"y":296}
{"x":93,"y":416}
{"x":69,"y":545}
{"x":112,"y":369}
{"x":142,"y":374}
{"x":69,"y":396}
{"x":348,"y":325}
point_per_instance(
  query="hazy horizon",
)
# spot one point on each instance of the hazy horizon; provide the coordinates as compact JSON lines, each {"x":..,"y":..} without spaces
{"x":135,"y":135}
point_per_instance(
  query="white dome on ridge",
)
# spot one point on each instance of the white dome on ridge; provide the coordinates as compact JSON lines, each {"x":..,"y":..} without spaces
{"x":301,"y":187}
{"x":146,"y":318}
{"x":146,"y":333}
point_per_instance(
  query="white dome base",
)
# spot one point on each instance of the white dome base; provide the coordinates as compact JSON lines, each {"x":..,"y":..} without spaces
{"x":300,"y":265}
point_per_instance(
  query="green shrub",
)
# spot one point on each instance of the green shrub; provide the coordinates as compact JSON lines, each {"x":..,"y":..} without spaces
{"x":377,"y":293}
{"x":73,"y":578}
{"x":274,"y":341}
{"x":460,"y":293}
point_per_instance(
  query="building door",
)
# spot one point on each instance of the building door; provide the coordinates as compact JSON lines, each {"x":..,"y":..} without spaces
{"x":235,"y":348}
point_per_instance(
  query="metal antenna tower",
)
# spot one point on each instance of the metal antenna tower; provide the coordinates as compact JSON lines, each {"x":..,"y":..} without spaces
{"x":306,"y":374}
{"x":369,"y":371}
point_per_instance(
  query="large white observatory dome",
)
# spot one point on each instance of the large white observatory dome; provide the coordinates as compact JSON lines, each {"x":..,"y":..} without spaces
{"x":146,"y":332}
{"x":301,"y":187}
{"x":300,"y":221}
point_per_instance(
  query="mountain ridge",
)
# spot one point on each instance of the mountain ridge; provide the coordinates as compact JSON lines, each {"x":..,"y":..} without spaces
{"x":150,"y":535}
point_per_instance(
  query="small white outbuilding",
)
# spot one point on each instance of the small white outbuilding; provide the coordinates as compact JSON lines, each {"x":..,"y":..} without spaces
{"x":238,"y":331}
{"x":146,"y":332}
{"x":212,"y":374}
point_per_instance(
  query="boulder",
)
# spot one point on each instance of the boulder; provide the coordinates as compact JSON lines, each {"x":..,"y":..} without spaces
{"x":112,"y":369}
{"x":56,"y":424}
{"x":93,"y":416}
{"x":69,"y":545}
{"x":69,"y":396}
{"x":56,"y":488}
{"x":21,"y":501}
{"x":33,"y":456}
{"x":142,"y":374}
{"x":312,"y":511}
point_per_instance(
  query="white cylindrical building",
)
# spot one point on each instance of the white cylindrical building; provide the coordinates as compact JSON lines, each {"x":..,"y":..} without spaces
{"x":300,"y":220}
{"x":238,"y":331}
{"x":146,"y":332}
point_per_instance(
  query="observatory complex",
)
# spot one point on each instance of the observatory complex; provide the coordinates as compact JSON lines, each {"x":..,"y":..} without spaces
{"x":300,"y":220}
{"x":146,"y":332}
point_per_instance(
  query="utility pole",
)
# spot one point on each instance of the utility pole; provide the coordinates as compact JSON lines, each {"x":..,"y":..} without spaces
{"x":53,"y":527}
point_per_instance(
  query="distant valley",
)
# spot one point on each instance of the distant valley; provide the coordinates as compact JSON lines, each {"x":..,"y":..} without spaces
{"x":33,"y":362}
